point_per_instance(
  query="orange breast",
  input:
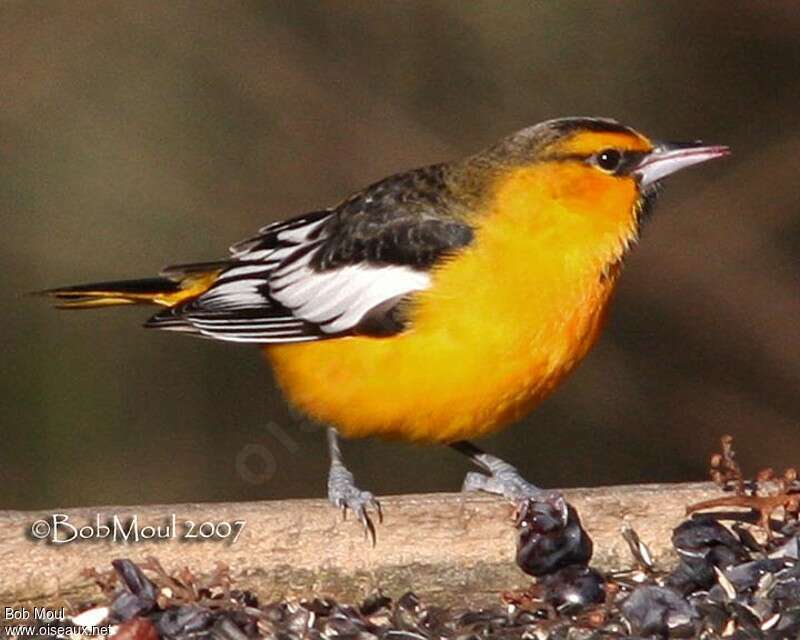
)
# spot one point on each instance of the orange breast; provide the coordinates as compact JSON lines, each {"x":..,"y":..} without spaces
{"x":500,"y":327}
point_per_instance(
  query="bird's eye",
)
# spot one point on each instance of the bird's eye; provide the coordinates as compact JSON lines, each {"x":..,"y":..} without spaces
{"x":609,"y":160}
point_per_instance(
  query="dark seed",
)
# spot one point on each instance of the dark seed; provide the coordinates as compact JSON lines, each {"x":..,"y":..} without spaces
{"x":550,"y":537}
{"x":134,"y":579}
{"x":702,"y":544}
{"x":128,"y":606}
{"x":653,"y":610}
{"x":573,"y":588}
{"x":188,"y":618}
{"x":375,"y":603}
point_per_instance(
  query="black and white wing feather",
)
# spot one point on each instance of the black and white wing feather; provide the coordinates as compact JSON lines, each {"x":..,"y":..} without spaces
{"x":333,"y":272}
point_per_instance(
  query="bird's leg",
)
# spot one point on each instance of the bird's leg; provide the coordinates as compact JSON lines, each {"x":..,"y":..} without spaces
{"x":503,"y":478}
{"x":343,"y":492}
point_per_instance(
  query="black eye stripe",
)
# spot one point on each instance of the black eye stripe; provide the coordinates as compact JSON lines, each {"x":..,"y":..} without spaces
{"x":630,"y":160}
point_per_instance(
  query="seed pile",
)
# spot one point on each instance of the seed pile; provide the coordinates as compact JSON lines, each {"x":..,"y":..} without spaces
{"x":738,"y":576}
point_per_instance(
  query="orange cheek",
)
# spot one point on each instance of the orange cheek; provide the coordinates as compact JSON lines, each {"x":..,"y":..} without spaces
{"x":584,"y":192}
{"x":578,"y":182}
{"x":604,"y":199}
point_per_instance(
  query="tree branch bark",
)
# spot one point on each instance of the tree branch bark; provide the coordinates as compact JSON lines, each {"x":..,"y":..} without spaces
{"x":448,"y":548}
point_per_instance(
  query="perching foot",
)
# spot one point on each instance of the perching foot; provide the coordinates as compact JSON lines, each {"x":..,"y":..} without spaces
{"x":500,"y":478}
{"x":505,"y":482}
{"x":343,"y":492}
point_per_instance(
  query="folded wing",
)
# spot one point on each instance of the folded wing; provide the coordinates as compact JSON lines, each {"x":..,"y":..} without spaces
{"x":333,"y":272}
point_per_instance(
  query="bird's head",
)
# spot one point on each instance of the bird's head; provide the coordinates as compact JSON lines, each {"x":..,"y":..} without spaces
{"x":612,"y":154}
{"x":585,"y":180}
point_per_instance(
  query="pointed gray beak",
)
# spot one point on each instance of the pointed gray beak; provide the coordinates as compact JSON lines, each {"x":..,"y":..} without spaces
{"x":668,"y":157}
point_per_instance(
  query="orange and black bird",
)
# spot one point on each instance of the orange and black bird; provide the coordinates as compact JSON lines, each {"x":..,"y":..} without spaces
{"x":437,"y":305}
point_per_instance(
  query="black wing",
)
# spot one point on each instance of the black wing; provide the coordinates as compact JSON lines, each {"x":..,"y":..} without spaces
{"x":333,"y":272}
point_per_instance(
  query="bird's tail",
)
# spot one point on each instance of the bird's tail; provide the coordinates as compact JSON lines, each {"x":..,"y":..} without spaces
{"x":174,"y":285}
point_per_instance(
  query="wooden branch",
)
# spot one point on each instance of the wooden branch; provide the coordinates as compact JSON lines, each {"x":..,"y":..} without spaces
{"x":448,"y":548}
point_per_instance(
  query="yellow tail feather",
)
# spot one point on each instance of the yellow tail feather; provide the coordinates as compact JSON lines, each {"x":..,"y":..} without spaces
{"x":164,"y":291}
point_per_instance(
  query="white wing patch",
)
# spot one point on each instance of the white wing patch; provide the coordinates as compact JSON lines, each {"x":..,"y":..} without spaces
{"x":337,"y":300}
{"x":241,"y":305}
{"x":295,"y":231}
{"x":236,"y":294}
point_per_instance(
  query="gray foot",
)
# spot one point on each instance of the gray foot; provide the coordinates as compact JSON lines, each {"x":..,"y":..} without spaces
{"x":343,"y":492}
{"x":504,"y":480}
{"x":499,"y":477}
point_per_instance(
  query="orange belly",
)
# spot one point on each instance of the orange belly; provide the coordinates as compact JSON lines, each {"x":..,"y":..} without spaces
{"x":461,"y":372}
{"x":437,"y":387}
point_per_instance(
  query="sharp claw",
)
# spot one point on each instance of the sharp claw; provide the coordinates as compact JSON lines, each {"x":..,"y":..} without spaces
{"x":359,"y":508}
{"x":369,"y":527}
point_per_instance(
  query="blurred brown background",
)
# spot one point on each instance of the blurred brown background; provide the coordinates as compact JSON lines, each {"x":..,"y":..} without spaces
{"x":135,"y":134}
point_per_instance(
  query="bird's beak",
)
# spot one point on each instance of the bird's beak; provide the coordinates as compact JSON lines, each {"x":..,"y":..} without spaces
{"x":668,"y":157}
